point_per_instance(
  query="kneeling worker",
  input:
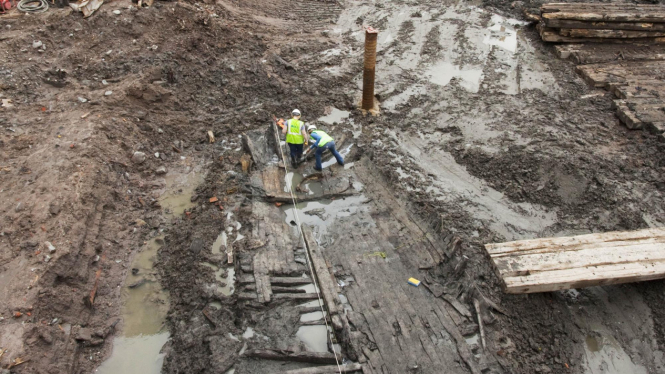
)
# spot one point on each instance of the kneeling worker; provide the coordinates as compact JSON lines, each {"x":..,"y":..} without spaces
{"x":323,"y":142}
{"x":295,"y":136}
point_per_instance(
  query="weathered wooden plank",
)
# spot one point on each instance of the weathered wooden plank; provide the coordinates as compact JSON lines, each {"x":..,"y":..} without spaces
{"x":650,"y":89}
{"x":552,"y":35}
{"x":626,"y":115}
{"x":290,"y":281}
{"x":627,"y":15}
{"x":246,"y":279}
{"x":309,"y":309}
{"x":573,"y":24}
{"x":280,"y":289}
{"x":579,"y":278}
{"x":592,"y":257}
{"x":564,"y":51}
{"x":279,"y":355}
{"x":618,"y":34}
{"x":557,"y":7}
{"x":325,"y":279}
{"x":550,"y":264}
{"x":550,"y":244}
{"x":296,"y":296}
{"x":331,"y":369}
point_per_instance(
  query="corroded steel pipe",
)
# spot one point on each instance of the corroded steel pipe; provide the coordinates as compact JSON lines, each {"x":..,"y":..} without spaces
{"x":371,"y":35}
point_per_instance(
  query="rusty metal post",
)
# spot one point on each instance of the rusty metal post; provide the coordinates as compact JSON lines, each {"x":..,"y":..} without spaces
{"x":371,"y":35}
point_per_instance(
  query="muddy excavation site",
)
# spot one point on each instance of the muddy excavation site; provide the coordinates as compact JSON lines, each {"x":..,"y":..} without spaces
{"x":152,"y":221}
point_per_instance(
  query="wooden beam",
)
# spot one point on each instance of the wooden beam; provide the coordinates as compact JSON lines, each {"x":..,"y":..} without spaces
{"x":330,"y":369}
{"x":609,"y":16}
{"x":290,"y":281}
{"x":280,"y":289}
{"x":561,"y":7}
{"x":548,"y":34}
{"x":573,"y":24}
{"x":550,"y":264}
{"x":296,"y":296}
{"x":325,"y":279}
{"x":279,"y":355}
{"x":616,"y":34}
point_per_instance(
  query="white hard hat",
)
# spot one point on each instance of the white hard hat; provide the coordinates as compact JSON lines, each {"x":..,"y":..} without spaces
{"x":295,"y":112}
{"x":311,"y":128}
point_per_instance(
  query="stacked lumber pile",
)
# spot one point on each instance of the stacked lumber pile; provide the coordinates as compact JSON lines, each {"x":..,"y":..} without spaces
{"x":619,"y":47}
{"x":602,"y":23}
{"x":639,"y":88}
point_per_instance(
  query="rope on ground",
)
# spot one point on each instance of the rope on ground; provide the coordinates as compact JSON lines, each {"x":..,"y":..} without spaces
{"x":32,"y":6}
{"x":309,"y":259}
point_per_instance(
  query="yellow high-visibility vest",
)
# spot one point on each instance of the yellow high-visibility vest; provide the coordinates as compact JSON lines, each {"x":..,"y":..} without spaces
{"x":293,"y":134}
{"x":325,"y":138}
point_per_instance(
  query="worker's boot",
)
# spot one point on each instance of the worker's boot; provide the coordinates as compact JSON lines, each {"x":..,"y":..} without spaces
{"x":293,"y":162}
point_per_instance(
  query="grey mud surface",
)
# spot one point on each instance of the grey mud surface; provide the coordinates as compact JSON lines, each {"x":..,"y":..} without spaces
{"x":483,"y":135}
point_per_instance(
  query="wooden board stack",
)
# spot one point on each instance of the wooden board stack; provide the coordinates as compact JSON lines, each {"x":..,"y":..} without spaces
{"x":602,"y":23}
{"x":619,"y":47}
{"x":550,"y":264}
{"x":639,"y":88}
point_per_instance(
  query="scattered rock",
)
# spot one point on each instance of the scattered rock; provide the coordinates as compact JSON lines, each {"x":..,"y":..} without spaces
{"x":138,"y":157}
{"x":116,"y":12}
{"x":140,"y":222}
{"x":37,"y":44}
{"x":30,"y":244}
{"x":84,"y":334}
{"x":108,"y":93}
{"x":141,"y":114}
{"x":160,"y":170}
{"x":54,"y":208}
{"x":46,"y":336}
{"x":135,"y":271}
{"x":50,"y":247}
{"x":196,"y":246}
{"x":19,"y":207}
{"x":82,"y":99}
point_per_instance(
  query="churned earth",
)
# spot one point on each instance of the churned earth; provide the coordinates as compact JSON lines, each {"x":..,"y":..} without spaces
{"x":108,"y":172}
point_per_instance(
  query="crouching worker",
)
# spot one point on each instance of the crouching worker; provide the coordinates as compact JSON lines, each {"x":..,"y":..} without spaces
{"x":323,"y":142}
{"x":295,"y":136}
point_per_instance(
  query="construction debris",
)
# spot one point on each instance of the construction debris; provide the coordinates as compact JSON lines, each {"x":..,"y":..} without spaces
{"x":550,"y":264}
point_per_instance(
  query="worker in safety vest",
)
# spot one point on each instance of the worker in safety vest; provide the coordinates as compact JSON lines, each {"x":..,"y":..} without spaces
{"x":323,"y":142}
{"x":296,"y":136}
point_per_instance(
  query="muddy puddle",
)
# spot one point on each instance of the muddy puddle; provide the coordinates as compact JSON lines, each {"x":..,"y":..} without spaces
{"x":145,"y":304}
{"x":604,"y":355}
{"x":491,"y":54}
{"x":335,"y":116}
{"x":323,"y":213}
{"x":179,"y":191}
{"x":315,"y":338}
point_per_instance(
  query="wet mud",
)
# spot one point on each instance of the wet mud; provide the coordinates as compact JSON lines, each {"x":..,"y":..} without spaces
{"x":484,"y":136}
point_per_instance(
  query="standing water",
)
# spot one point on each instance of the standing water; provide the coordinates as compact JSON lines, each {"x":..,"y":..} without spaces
{"x":137,"y":349}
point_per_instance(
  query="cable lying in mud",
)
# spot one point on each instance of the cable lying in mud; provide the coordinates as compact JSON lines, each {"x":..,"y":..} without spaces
{"x":309,"y":259}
